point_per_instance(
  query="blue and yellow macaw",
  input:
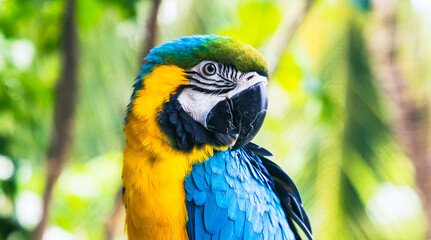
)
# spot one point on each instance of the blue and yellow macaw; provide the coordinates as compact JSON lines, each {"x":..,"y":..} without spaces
{"x":190,"y":171}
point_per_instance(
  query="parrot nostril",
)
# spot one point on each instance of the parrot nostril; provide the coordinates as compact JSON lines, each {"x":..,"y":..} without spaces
{"x":249,"y":77}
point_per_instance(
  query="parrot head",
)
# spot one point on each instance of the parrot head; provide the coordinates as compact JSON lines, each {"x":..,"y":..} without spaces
{"x":212,"y":91}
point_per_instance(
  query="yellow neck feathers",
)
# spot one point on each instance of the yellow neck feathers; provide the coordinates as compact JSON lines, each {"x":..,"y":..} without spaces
{"x":154,"y":172}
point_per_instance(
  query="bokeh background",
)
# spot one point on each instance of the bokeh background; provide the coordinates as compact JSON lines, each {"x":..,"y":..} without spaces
{"x":348,"y":114}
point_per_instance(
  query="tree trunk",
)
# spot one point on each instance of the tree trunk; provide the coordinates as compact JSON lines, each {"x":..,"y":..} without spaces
{"x":411,"y":115}
{"x":152,"y":29}
{"x":63,"y":113}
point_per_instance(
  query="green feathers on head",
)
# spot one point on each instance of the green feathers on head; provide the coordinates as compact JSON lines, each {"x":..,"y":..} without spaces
{"x":188,"y":51}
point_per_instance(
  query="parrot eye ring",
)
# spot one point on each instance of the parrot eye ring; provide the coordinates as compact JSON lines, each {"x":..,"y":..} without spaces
{"x":209,"y":69}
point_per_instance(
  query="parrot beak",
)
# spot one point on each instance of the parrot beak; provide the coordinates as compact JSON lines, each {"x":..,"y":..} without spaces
{"x":241,"y":114}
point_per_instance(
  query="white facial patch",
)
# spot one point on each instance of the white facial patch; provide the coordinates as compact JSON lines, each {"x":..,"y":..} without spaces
{"x":197,"y":104}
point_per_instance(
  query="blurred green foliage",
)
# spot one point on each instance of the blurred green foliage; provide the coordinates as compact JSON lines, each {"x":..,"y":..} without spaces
{"x":327,"y":123}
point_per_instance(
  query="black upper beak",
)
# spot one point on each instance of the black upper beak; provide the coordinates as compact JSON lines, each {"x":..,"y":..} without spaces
{"x":242,"y":114}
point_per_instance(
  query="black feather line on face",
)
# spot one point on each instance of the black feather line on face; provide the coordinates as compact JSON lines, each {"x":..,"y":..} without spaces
{"x":193,"y":75}
{"x":213,"y":84}
{"x":211,"y":91}
{"x":183,"y":132}
{"x":224,"y":69}
{"x":232,"y":72}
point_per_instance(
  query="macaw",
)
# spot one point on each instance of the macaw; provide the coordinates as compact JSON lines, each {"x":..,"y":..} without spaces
{"x":190,"y":170}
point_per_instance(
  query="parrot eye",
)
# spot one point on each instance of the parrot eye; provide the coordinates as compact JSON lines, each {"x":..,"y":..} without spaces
{"x":209,"y":69}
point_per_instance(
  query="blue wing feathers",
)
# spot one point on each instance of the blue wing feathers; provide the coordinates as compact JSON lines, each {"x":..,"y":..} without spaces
{"x":239,"y":223}
{"x":278,"y":234}
{"x":257,"y":224}
{"x":228,"y":197}
{"x":217,"y":166}
{"x":228,"y":230}
{"x":291,"y":200}
{"x":199,"y":221}
{"x":218,"y":183}
{"x":188,"y":187}
{"x":199,"y":181}
{"x":232,"y":169}
{"x":232,"y":208}
{"x":207,"y":167}
{"x":199,"y":198}
{"x":221,"y":199}
{"x":265,"y":232}
{"x":208,"y":179}
{"x":191,"y":222}
{"x":273,"y":223}
{"x":200,"y":169}
{"x":248,"y":230}
{"x":216,"y":236}
{"x":230,"y":180}
{"x":241,"y":204}
{"x":214,"y":216}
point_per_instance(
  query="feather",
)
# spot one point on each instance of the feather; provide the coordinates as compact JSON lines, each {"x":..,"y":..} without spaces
{"x":290,"y":198}
{"x":221,"y":199}
{"x":199,"y":220}
{"x":214,"y":216}
{"x":217,"y":166}
{"x":199,"y":197}
{"x":238,"y":204}
{"x":190,"y":225}
{"x":228,"y":230}
{"x":199,"y":181}
{"x":239,"y":223}
{"x":248,"y":230}
{"x":259,"y":150}
{"x":218,"y":183}
{"x":232,"y":207}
